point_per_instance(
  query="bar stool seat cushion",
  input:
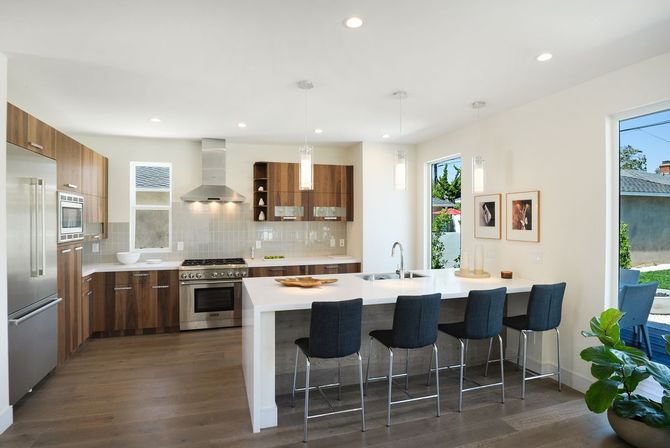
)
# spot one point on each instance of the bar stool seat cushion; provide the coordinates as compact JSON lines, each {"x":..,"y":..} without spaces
{"x":516,"y":322}
{"x":303,"y":344}
{"x":383,"y":336}
{"x":456,"y":329}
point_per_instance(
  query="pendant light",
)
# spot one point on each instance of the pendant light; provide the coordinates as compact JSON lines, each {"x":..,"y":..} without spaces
{"x":306,"y":151}
{"x":478,"y":160}
{"x":400,"y":160}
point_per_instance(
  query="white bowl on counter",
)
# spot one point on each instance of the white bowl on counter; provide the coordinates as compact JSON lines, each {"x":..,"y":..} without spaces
{"x":128,"y":257}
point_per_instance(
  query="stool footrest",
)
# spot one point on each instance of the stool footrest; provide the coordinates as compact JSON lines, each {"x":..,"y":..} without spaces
{"x":343,"y":411}
{"x":484,"y":386}
{"x":408,"y":400}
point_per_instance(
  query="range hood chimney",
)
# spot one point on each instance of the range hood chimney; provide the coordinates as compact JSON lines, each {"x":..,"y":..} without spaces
{"x":213,"y":186}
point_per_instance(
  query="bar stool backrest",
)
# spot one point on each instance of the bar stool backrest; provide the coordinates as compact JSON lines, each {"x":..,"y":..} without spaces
{"x":335,"y":328}
{"x":628,"y":277}
{"x":484,"y":313}
{"x":544,"y":306}
{"x":636,"y":302}
{"x":415,"y":320}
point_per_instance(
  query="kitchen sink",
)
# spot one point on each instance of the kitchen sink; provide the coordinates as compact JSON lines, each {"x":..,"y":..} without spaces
{"x":390,"y":276}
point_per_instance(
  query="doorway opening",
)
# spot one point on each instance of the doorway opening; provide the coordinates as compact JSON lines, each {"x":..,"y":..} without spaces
{"x":445,"y":213}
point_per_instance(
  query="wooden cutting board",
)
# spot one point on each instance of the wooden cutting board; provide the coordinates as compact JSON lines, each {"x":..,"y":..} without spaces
{"x":305,"y":282}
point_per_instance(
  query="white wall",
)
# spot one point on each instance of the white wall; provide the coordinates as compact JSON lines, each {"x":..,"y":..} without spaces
{"x":6,"y":415}
{"x":387,"y":215}
{"x":186,"y":162}
{"x":559,"y":145}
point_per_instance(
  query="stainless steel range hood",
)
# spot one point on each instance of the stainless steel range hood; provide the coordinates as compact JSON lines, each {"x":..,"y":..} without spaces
{"x":213,"y":186}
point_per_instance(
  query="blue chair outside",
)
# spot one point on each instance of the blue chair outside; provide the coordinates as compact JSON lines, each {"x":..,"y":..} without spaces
{"x":334,"y":333}
{"x":414,"y":326}
{"x":483,"y":320}
{"x":636,"y":302}
{"x":543,"y":313}
{"x":628,"y":277}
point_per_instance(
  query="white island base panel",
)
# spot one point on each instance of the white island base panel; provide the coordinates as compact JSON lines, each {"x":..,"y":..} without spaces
{"x":262,"y":297}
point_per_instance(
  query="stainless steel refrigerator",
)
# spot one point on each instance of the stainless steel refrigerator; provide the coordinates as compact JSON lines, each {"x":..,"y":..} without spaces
{"x":31,"y":269}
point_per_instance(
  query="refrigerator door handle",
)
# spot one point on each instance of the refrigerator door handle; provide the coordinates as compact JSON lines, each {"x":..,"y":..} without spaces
{"x":34,"y":220}
{"x":24,"y":318}
{"x":41,"y":225}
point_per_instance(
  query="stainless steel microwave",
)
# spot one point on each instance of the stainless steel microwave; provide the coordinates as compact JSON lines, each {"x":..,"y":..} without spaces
{"x":70,"y":217}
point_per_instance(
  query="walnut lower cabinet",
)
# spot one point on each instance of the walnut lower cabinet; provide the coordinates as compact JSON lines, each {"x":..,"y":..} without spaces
{"x":136,"y":302}
{"x":317,"y":269}
{"x":70,"y":334}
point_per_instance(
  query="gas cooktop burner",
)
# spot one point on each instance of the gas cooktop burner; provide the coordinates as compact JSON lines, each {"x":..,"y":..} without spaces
{"x":213,"y":262}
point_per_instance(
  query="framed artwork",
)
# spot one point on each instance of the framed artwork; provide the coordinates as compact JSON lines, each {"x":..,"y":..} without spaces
{"x":523,"y":216}
{"x":487,"y":216}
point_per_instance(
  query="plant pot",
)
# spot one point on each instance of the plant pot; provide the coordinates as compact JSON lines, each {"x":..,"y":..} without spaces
{"x":637,"y":433}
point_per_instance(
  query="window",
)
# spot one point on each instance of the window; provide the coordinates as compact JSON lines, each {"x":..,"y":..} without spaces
{"x":445,"y":213}
{"x":150,"y":206}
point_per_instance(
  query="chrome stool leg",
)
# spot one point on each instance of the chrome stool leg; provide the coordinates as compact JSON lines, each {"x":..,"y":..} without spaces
{"x":502,"y":370}
{"x":488,"y":358}
{"x":523,"y":382}
{"x":295,"y":374}
{"x":558,"y":356}
{"x":367,"y":369}
{"x":307,"y":366}
{"x":430,"y":371}
{"x":339,"y":380}
{"x":437,"y":380}
{"x":518,"y":350}
{"x":407,"y":370}
{"x":360,"y":382}
{"x":460,"y":381}
{"x":388,"y":412}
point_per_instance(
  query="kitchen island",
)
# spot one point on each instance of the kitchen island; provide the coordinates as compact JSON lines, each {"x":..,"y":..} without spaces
{"x":274,"y":315}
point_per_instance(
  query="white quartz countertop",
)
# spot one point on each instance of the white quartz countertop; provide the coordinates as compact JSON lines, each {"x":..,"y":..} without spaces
{"x":259,"y":262}
{"x":89,"y":269}
{"x":265,"y":294}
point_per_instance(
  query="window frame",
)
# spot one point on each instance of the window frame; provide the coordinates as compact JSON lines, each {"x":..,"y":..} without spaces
{"x":134,"y":207}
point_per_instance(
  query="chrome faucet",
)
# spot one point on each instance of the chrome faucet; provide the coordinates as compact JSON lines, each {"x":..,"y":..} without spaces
{"x":401,"y":271}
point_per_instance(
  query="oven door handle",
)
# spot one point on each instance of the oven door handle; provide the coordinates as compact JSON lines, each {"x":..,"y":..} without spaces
{"x":217,"y":282}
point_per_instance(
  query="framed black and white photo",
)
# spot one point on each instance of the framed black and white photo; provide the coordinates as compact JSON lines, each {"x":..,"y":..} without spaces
{"x":523,"y":216}
{"x":487,"y":216}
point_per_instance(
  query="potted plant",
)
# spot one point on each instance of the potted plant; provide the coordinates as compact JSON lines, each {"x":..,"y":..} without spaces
{"x":618,"y":370}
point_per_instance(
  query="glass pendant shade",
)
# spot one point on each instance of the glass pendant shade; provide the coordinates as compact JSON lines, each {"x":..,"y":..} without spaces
{"x":477,"y":174}
{"x":400,"y":170}
{"x":306,"y":167}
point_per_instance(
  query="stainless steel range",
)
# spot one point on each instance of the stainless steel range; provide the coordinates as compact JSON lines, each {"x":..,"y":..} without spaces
{"x":210,"y":293}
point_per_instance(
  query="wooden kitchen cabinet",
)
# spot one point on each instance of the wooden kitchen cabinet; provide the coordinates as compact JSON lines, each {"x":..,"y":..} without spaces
{"x":30,"y":133}
{"x":69,"y":163}
{"x":137,"y":302}
{"x":288,"y":206}
{"x":277,"y":271}
{"x":283,"y":176}
{"x":332,"y":197}
{"x":70,"y":334}
{"x":341,"y":268}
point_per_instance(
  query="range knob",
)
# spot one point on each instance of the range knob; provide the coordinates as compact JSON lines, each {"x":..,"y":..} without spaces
{"x":230,"y":273}
{"x":215,"y":274}
{"x":198,"y":275}
{"x":191,"y":275}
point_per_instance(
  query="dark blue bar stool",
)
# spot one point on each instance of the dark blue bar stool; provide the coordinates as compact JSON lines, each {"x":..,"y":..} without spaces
{"x":483,"y":320}
{"x":334,"y":333}
{"x":414,"y":326}
{"x":636,"y":302}
{"x":543,"y":313}
{"x":628,"y":277}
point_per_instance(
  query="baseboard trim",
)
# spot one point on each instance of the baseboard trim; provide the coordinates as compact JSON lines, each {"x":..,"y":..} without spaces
{"x":6,"y":418}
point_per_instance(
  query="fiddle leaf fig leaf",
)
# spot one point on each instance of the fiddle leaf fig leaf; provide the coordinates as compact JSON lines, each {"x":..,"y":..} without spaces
{"x":600,"y":355}
{"x":602,"y":372}
{"x":600,"y":395}
{"x":642,"y":408}
{"x":667,"y":343}
{"x":661,"y":374}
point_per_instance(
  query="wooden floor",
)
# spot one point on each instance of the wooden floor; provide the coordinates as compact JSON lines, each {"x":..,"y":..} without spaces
{"x":187,"y":390}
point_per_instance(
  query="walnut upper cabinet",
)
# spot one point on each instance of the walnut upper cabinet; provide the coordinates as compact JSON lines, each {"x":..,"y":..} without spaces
{"x":28,"y":132}
{"x":330,"y":200}
{"x":69,"y":162}
{"x":94,"y":189}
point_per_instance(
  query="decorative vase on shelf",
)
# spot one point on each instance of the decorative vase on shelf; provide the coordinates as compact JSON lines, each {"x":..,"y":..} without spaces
{"x":261,"y":216}
{"x":261,"y":201}
{"x":261,"y":188}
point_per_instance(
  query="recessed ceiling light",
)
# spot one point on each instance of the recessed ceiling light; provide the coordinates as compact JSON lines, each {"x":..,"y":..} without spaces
{"x":386,"y":136}
{"x":241,"y":125}
{"x":544,"y":57}
{"x":318,"y":131}
{"x":155,"y":120}
{"x":353,"y":22}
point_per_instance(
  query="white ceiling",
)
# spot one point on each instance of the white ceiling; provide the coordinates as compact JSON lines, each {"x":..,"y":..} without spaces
{"x":202,"y":66}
